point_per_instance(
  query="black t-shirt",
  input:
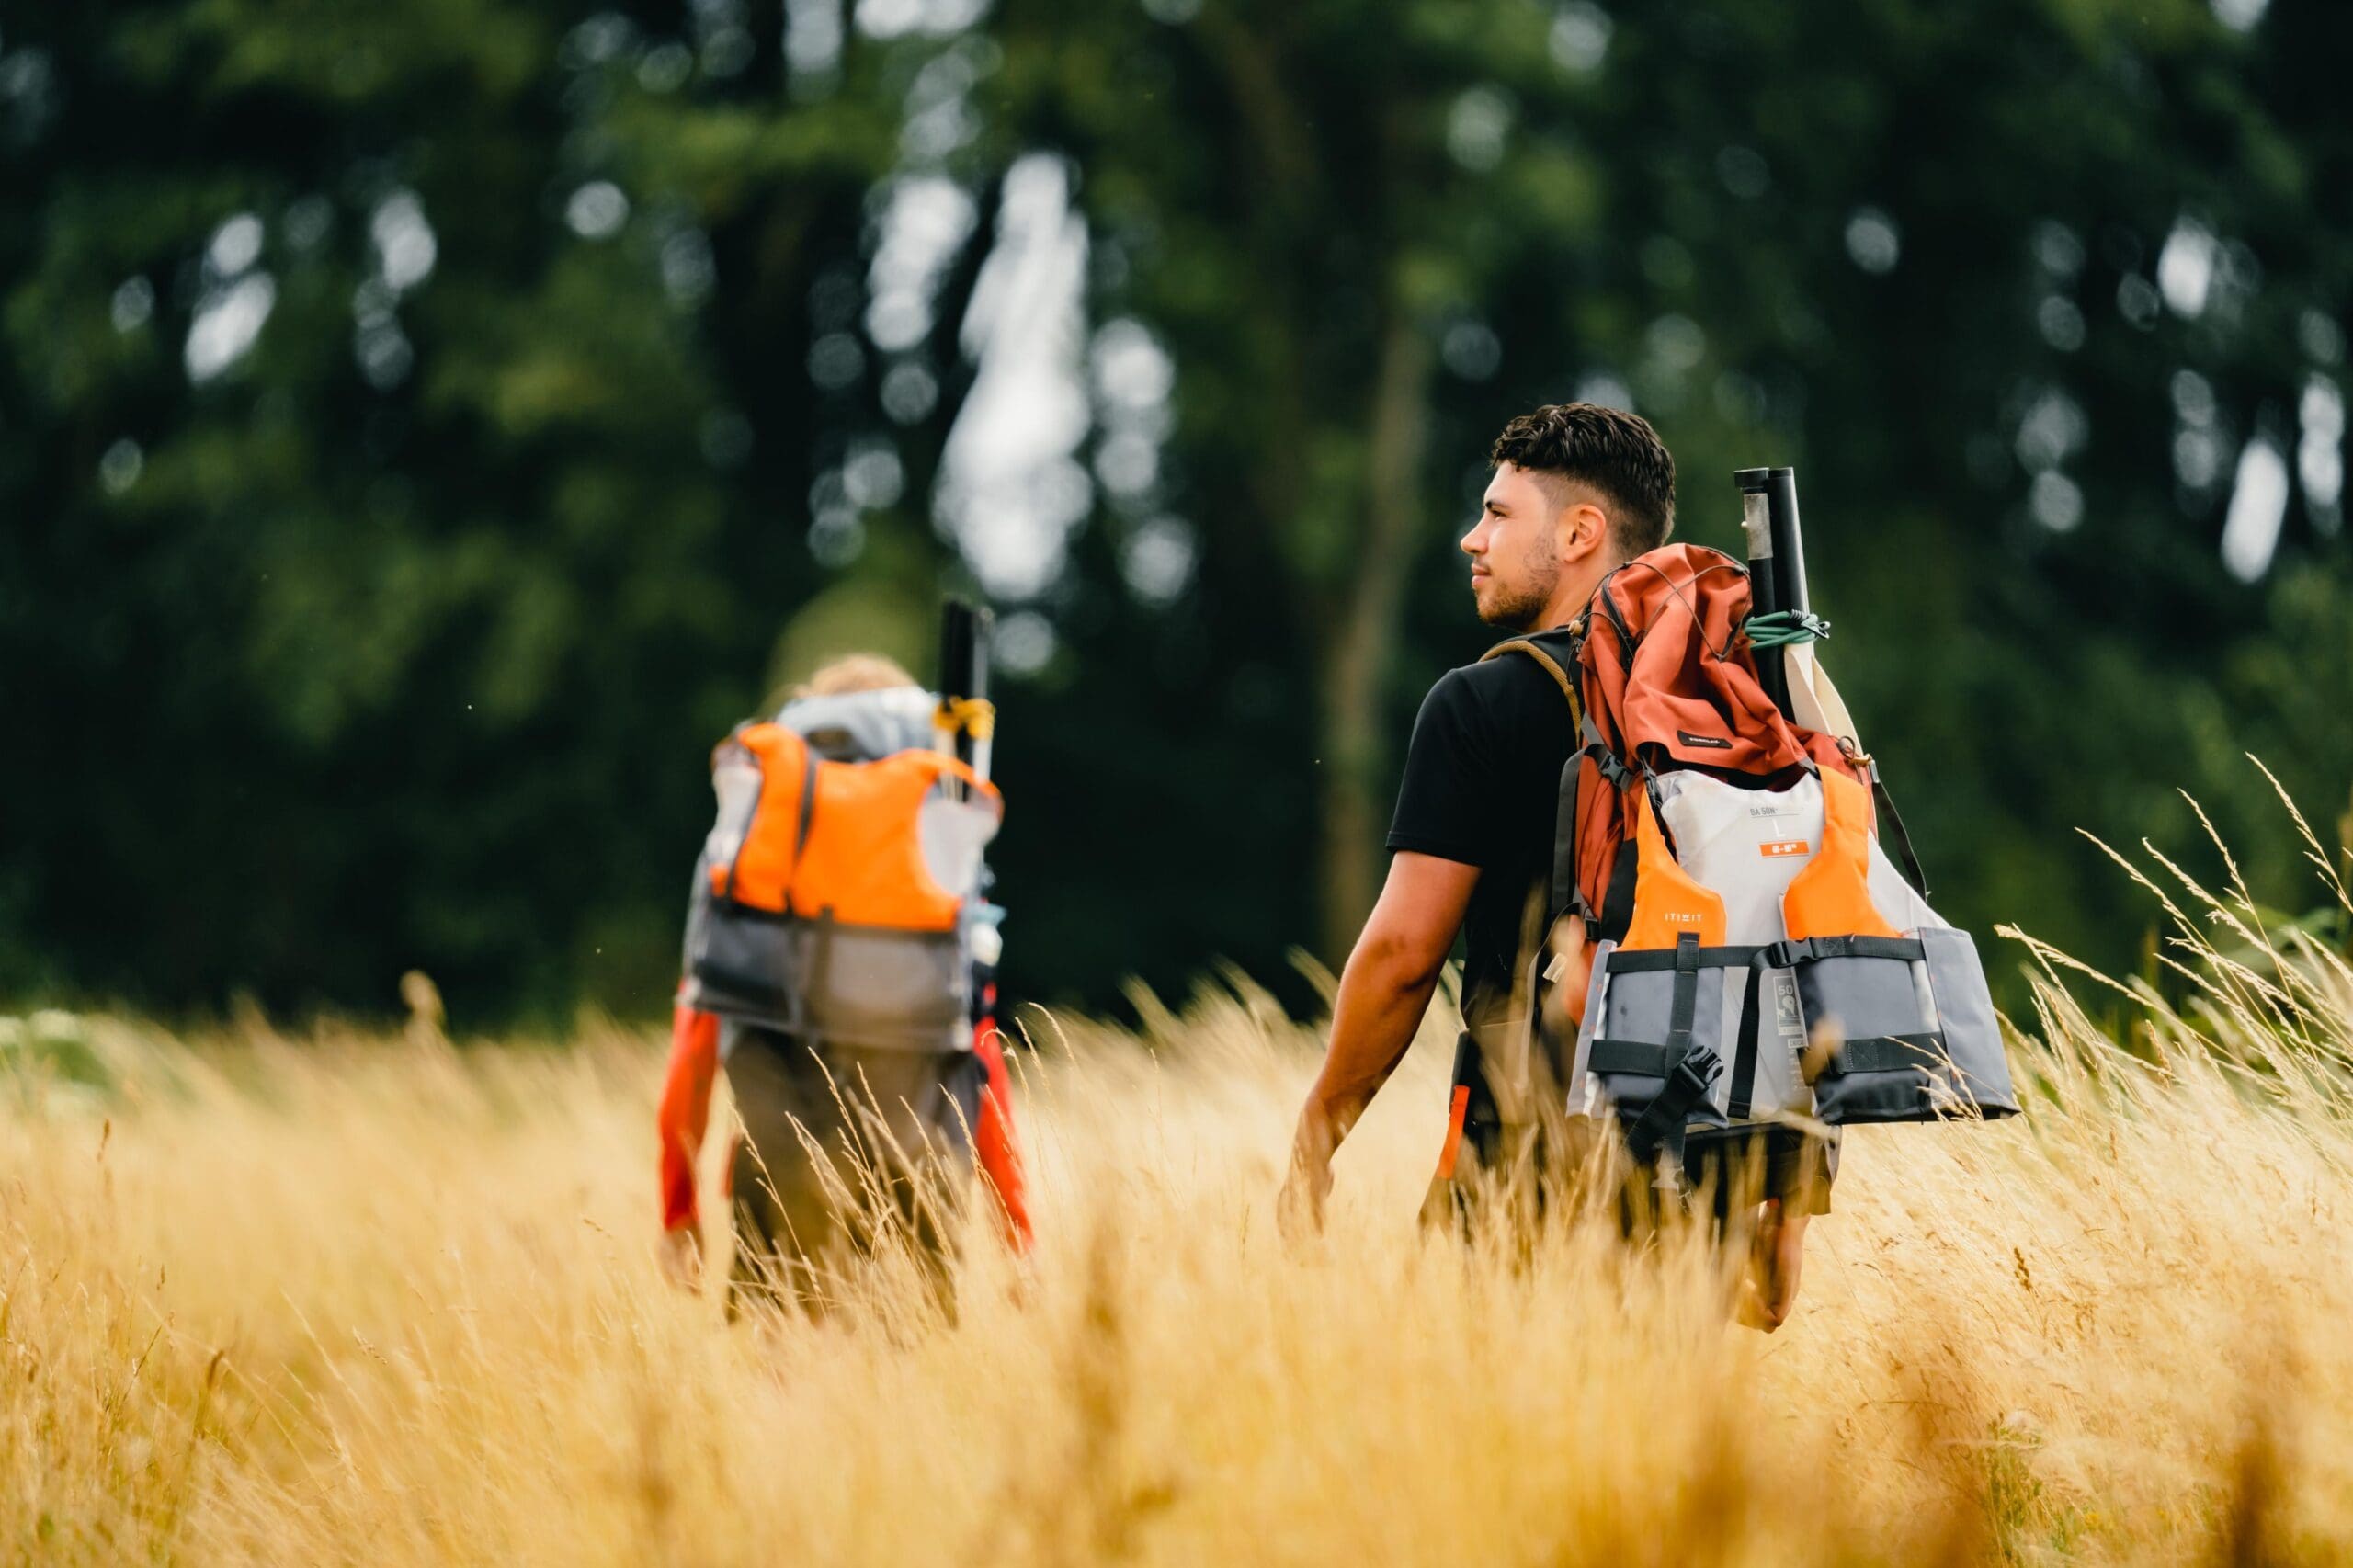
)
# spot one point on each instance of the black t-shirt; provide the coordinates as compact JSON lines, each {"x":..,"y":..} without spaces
{"x":1482,"y":786}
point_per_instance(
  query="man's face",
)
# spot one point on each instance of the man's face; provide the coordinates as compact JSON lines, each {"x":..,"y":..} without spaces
{"x":1515,"y":550}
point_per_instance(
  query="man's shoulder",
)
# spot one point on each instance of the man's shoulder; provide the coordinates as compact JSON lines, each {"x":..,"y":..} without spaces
{"x":1499,"y":707}
{"x":1509,"y":680}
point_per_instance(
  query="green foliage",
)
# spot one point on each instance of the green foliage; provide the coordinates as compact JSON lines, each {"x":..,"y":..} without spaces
{"x":397,"y":639}
{"x":396,"y":636}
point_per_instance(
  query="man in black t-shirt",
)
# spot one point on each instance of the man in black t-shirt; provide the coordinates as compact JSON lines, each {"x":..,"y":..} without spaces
{"x":1481,"y":789}
{"x":1578,"y":489}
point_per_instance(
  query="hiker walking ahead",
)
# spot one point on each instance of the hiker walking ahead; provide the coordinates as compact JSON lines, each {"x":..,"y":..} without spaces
{"x":833,"y":960}
{"x":1579,"y":489}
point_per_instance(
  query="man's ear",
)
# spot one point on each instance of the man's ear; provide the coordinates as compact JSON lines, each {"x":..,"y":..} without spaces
{"x":1584,"y":528}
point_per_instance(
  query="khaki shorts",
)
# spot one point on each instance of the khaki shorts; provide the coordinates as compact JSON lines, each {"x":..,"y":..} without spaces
{"x":843,"y":1150}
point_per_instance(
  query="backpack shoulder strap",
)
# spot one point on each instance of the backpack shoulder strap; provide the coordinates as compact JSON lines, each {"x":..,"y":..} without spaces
{"x":1561,"y":894}
{"x":1551,"y":666}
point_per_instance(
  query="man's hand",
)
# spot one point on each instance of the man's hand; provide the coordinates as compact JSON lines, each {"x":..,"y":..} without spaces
{"x":681,"y":1255}
{"x":1768,"y":1287}
{"x":1298,"y":1208}
{"x":1384,"y":990}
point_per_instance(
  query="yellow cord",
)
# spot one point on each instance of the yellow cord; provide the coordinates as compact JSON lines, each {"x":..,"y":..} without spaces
{"x":975,"y":716}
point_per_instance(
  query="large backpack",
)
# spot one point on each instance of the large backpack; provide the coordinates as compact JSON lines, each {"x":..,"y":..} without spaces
{"x":1754,"y":955}
{"x":837,"y":896}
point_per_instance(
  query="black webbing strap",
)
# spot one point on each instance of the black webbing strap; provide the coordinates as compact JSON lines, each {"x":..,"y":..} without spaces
{"x":1789,"y":955}
{"x":1685,"y":1009}
{"x":1565,"y":892}
{"x":1658,"y":961}
{"x":1889,"y":1054}
{"x":808,"y":804}
{"x":821,"y":960}
{"x":1659,"y":1129}
{"x":1633,"y":1058}
{"x":1891,"y":827}
{"x":1612,"y":769}
{"x":1562,"y":893}
{"x":1744,"y":1055}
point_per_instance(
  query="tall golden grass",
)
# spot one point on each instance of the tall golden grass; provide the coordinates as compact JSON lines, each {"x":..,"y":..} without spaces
{"x":342,"y":1298}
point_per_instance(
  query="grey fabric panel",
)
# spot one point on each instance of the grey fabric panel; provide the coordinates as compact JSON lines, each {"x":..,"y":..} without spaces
{"x":1972,"y":1071}
{"x":1640,"y":1009}
{"x":1851,"y":997}
{"x":1972,"y":1031}
{"x":887,"y":987}
{"x":1847,"y":999}
{"x":746,"y":968}
{"x":840,"y":985}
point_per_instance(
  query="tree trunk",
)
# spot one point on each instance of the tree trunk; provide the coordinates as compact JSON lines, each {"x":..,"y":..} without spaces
{"x":1357,"y":640}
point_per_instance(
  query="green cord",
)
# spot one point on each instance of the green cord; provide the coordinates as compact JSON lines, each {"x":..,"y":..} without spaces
{"x":1786,"y":629}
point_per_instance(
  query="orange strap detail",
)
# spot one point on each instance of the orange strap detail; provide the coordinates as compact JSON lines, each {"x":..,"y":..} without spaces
{"x":1454,"y":1121}
{"x":1832,"y":897}
{"x":1668,"y":903}
{"x":686,"y":1108}
{"x":996,"y":1146}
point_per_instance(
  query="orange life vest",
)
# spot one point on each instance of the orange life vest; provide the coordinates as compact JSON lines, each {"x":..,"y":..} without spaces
{"x":817,"y":911}
{"x":835,"y":838}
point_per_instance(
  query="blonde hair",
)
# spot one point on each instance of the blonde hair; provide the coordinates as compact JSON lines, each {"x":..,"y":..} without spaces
{"x":855,"y":672}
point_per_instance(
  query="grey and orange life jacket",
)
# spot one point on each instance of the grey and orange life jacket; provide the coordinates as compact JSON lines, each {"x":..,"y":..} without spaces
{"x":1754,"y":955}
{"x":837,"y":894}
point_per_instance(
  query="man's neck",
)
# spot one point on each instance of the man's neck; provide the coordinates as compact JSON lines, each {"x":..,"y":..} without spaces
{"x":1569,"y":599}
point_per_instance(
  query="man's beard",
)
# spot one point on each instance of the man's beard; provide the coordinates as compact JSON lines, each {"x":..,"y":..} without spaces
{"x":1520,"y":609}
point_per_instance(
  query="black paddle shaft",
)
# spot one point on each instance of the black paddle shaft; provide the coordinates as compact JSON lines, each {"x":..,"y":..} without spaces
{"x":1768,"y":514}
{"x":963,"y":662}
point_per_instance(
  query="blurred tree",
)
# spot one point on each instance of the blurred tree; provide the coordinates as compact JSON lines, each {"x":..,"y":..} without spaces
{"x":425,"y":427}
{"x":404,"y":492}
{"x":2015,"y":288}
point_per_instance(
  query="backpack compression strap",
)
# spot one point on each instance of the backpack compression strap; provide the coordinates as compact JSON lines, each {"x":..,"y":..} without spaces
{"x":1891,"y":825}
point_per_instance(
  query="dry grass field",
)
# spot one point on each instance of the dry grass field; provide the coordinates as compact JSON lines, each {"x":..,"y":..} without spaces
{"x":340,"y":1298}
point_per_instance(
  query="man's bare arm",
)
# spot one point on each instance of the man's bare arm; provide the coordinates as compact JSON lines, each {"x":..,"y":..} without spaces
{"x":1384,"y":990}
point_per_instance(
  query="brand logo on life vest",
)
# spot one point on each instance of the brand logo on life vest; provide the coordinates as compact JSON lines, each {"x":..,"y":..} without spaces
{"x":1714,"y":743}
{"x":1680,"y":918}
{"x":1781,"y":846}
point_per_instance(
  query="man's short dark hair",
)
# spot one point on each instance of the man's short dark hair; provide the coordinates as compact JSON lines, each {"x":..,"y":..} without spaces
{"x":1614,"y":452}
